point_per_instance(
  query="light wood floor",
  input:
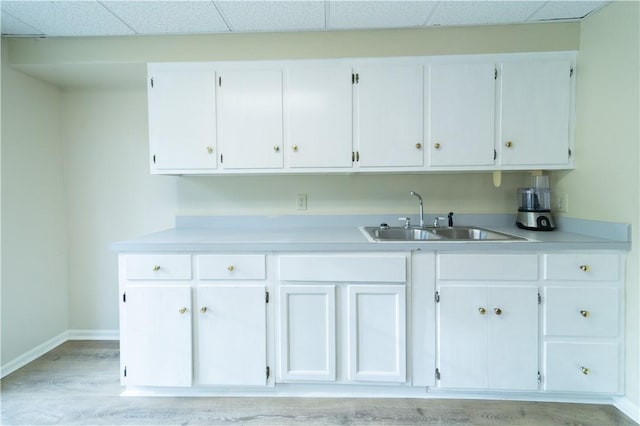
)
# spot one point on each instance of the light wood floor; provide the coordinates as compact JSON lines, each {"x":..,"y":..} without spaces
{"x":77,"y":383}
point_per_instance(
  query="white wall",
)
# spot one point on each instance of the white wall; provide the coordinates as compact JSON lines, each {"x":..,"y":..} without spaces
{"x":35,"y":295}
{"x":110,"y":196}
{"x":606,"y":182}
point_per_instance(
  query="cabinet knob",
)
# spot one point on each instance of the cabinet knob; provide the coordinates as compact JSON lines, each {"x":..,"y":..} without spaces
{"x":182,"y":310}
{"x":497,"y":311}
{"x":585,"y":314}
{"x":203,"y":309}
{"x":418,"y":145}
{"x":294,"y":148}
{"x":585,"y":370}
{"x":482,"y":311}
{"x":276,"y":148}
{"x":210,"y":149}
{"x":509,"y":144}
{"x":230,"y":268}
{"x":436,"y":145}
{"x":156,"y":268}
{"x":584,"y":268}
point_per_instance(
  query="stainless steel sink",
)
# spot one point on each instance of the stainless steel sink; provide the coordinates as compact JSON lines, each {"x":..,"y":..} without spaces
{"x":457,"y":233}
{"x":401,"y":234}
{"x":471,"y":234}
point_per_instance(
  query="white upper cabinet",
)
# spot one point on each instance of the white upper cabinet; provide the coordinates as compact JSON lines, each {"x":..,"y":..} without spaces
{"x":461,"y":114}
{"x":389,"y":115}
{"x":318,"y":122}
{"x":534,"y":113}
{"x":250,"y":118}
{"x":182,"y":119}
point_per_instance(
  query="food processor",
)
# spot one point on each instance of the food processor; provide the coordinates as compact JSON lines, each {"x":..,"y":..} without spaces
{"x":534,"y":206}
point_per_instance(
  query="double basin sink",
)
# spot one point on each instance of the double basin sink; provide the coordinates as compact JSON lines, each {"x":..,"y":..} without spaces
{"x":456,"y":233}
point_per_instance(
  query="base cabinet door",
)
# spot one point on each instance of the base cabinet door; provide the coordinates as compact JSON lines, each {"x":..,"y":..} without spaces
{"x":308,"y":332}
{"x":232,"y":335}
{"x":157,"y":335}
{"x":488,"y":337}
{"x":377,"y":335}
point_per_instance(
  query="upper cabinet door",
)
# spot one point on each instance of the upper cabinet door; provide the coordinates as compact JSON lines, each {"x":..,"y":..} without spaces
{"x":535,"y":104}
{"x":182,"y":120}
{"x":319,"y":116}
{"x":461,"y":114}
{"x":389,"y":116}
{"x":250,"y":118}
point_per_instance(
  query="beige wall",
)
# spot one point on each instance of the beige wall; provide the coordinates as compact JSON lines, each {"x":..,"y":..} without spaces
{"x":35,"y":294}
{"x":606,"y":182}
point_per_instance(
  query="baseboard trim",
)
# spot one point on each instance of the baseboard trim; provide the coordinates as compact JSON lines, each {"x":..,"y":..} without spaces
{"x":630,"y":409}
{"x":52,"y":343}
{"x":33,"y":354}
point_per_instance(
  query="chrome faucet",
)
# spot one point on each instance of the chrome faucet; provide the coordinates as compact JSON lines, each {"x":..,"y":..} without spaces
{"x":421,"y":207}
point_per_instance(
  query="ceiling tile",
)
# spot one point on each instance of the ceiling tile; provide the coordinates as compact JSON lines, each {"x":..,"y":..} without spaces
{"x":378,"y":14}
{"x":273,"y":15}
{"x":67,"y":18}
{"x":158,"y":17}
{"x":14,"y":26}
{"x":483,"y":12}
{"x":555,"y":10}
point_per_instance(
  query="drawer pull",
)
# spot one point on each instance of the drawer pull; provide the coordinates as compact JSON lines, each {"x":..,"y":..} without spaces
{"x":584,"y":268}
{"x":182,"y":310}
{"x":418,"y":145}
{"x":497,"y":311}
{"x":156,"y":268}
{"x":585,"y":370}
{"x":585,"y":314}
{"x":436,"y":145}
{"x":203,"y":309}
{"x":210,"y":149}
{"x":482,"y":311}
{"x":230,"y":268}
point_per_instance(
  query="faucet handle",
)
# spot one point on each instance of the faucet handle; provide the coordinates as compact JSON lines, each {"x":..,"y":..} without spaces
{"x":407,"y":222}
{"x":436,"y":221}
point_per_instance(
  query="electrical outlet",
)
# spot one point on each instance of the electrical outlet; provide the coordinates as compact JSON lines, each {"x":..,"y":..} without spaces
{"x":301,"y":202}
{"x":562,"y":203}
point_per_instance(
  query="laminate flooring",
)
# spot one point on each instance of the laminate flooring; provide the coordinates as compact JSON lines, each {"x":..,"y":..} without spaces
{"x":77,"y":383}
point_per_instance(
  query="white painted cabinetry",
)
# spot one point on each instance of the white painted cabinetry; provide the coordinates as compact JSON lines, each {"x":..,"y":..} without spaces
{"x":389,"y":115}
{"x":363,"y":342}
{"x":250,"y":118}
{"x":182,"y":118}
{"x":487,"y":322}
{"x":461,"y":114}
{"x":582,"y":302}
{"x":318,"y":108}
{"x":535,"y":113}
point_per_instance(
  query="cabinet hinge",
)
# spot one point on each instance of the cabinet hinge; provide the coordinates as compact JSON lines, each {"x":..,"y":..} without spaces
{"x":495,"y":73}
{"x":268,"y":372}
{"x":539,"y":299}
{"x":355,"y":78}
{"x":570,"y":72}
{"x":124,"y":297}
{"x":437,"y":297}
{"x":125,"y":371}
{"x":221,"y":159}
{"x":437,"y":374}
{"x":495,"y":155}
{"x":357,"y":156}
{"x":219,"y":81}
{"x":154,"y":159}
{"x":266,"y":297}
{"x":570,"y":153}
{"x":539,"y":378}
{"x":353,"y":156}
{"x":152,"y":82}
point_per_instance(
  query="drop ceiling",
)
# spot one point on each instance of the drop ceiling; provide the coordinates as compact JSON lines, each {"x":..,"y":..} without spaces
{"x":70,"y":18}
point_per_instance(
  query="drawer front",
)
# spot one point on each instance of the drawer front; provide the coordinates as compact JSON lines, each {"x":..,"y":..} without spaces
{"x":581,"y":311}
{"x":366,"y":268}
{"x":581,"y":267}
{"x":582,"y":367}
{"x":494,"y":267}
{"x":232,"y":267}
{"x":158,"y":267}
